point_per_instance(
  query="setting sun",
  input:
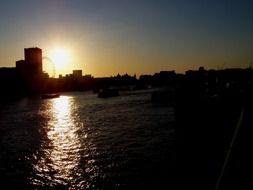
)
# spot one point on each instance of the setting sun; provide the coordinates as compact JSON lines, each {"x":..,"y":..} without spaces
{"x":60,"y":58}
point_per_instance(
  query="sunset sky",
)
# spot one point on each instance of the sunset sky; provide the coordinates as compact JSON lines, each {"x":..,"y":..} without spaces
{"x":107,"y":37}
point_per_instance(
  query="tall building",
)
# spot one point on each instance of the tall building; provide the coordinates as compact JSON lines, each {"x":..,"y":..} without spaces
{"x":33,"y":59}
{"x":30,"y":70}
{"x":77,"y":73}
{"x":21,"y":66}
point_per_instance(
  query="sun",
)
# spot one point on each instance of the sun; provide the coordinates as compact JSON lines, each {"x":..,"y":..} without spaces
{"x":60,"y":58}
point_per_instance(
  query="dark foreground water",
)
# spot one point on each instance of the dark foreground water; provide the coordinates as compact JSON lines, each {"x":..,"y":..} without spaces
{"x":79,"y":141}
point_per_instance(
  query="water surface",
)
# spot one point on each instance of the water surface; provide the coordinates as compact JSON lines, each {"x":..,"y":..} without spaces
{"x":79,"y":141}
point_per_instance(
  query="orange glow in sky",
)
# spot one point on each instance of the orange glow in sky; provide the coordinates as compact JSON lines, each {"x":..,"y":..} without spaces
{"x":60,"y":58}
{"x":108,"y":38}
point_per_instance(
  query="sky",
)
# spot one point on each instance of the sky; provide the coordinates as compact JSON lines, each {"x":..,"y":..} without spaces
{"x":107,"y":37}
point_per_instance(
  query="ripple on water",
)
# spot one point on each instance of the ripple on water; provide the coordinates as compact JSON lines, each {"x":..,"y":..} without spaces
{"x":78,"y":141}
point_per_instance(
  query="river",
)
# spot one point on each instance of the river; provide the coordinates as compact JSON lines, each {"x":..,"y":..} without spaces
{"x":79,"y":141}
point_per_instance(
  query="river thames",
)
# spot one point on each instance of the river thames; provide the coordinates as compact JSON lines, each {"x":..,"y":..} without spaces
{"x":79,"y":141}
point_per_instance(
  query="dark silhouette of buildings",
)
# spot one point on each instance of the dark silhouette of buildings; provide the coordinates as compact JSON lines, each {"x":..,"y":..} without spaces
{"x":32,"y":65}
{"x":9,"y":84}
{"x":207,"y":106}
{"x":30,"y":71}
{"x":28,"y":78}
{"x":33,"y":57}
{"x":77,"y":74}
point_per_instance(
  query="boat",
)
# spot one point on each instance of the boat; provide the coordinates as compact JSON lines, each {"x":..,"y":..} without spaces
{"x":47,"y":96}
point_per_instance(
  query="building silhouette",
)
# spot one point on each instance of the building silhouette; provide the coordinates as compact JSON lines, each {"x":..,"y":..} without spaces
{"x":30,"y":70}
{"x":33,"y":57}
{"x":77,"y":74}
{"x":32,"y":65}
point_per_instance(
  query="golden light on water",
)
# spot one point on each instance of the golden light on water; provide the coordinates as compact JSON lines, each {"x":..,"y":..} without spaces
{"x":65,"y":141}
{"x":62,"y":154}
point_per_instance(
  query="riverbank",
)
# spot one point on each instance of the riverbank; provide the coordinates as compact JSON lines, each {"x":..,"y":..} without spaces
{"x":205,"y":128}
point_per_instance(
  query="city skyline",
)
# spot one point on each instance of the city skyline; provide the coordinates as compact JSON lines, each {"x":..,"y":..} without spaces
{"x":104,"y":38}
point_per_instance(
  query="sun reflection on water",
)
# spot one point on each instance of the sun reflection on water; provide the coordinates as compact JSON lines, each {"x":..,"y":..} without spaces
{"x":62,"y":151}
{"x":65,"y":141}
